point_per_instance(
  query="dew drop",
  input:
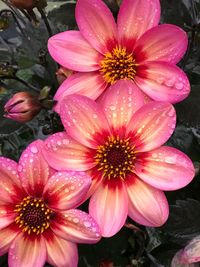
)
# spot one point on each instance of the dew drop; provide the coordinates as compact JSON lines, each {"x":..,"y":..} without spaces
{"x":179,"y":86}
{"x":87,"y":224}
{"x":76,"y":220}
{"x":112,"y":107}
{"x":34,"y":150}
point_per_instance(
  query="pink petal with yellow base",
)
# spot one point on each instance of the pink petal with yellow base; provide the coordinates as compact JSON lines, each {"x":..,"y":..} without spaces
{"x":147,"y":205}
{"x":33,"y":168}
{"x":72,"y":51}
{"x":163,"y":81}
{"x":7,"y":215}
{"x":120,"y":102}
{"x":61,"y":253}
{"x":64,"y":153}
{"x":90,"y":84}
{"x":10,"y":190}
{"x":165,"y":42}
{"x":135,"y":18}
{"x":109,"y":207}
{"x":77,"y":226}
{"x":82,"y":119}
{"x":96,"y":24}
{"x":165,"y":168}
{"x":152,"y":125}
{"x":25,"y":252}
{"x":7,"y":235}
{"x":64,"y":190}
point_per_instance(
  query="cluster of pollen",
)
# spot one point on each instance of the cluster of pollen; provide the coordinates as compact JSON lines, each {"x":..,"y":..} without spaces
{"x":115,"y":158}
{"x":118,"y":65}
{"x":33,"y":215}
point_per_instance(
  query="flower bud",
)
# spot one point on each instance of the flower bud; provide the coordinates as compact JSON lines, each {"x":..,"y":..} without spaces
{"x":62,"y":74}
{"x":22,"y":107}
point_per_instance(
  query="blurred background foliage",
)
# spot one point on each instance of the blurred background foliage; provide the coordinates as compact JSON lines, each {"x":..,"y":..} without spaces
{"x":25,"y":65}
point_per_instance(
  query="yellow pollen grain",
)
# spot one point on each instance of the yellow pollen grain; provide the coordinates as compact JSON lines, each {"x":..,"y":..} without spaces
{"x":117,"y":65}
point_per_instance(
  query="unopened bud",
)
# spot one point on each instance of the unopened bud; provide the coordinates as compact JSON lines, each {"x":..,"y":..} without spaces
{"x":22,"y":107}
{"x":62,"y":74}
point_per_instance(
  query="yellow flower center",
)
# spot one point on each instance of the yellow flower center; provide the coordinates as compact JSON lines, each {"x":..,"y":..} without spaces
{"x":33,"y":215}
{"x":117,"y":65}
{"x":115,"y":158}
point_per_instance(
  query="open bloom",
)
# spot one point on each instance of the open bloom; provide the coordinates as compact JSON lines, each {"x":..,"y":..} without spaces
{"x":118,"y":141}
{"x":38,"y":221}
{"x":136,"y":48}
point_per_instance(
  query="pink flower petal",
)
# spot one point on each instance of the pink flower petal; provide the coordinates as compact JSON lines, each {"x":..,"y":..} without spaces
{"x":72,"y":51}
{"x":88,"y":84}
{"x":152,"y":125}
{"x":109,"y":207}
{"x":26,"y":251}
{"x":96,"y":181}
{"x":191,"y":252}
{"x":178,"y":260}
{"x":7,"y":215}
{"x":60,"y":252}
{"x":96,"y":24}
{"x":120,"y":102}
{"x":10,"y":189}
{"x":7,"y":235}
{"x":33,"y":169}
{"x":76,"y":226}
{"x":165,"y":168}
{"x":65,"y":190}
{"x":165,"y":42}
{"x":83,"y":119}
{"x":147,"y":205}
{"x":163,"y":82}
{"x":63,"y":153}
{"x":136,"y":17}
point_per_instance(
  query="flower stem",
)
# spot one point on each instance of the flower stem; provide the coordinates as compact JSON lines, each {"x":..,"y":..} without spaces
{"x":44,"y":17}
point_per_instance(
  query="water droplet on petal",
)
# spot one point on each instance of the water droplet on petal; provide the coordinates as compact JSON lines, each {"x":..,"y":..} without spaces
{"x":87,"y":224}
{"x":179,"y":86}
{"x":34,"y":149}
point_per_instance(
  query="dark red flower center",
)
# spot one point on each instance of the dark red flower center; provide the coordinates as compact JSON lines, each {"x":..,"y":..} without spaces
{"x":115,"y":158}
{"x":117,"y":65}
{"x":34,"y":216}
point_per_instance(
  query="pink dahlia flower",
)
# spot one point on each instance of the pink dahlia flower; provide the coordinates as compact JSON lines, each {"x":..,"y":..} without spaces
{"x":136,"y":48}
{"x":118,"y":141}
{"x":38,"y":221}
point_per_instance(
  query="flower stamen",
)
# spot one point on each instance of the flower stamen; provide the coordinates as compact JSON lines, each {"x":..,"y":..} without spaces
{"x":33,"y":215}
{"x":115,"y":158}
{"x":117,"y":65}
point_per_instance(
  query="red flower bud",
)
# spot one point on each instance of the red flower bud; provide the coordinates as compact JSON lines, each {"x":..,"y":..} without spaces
{"x":62,"y":74}
{"x":22,"y":107}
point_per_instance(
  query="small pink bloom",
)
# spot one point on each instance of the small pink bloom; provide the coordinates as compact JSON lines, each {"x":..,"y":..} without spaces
{"x":119,"y":142}
{"x":189,"y":256}
{"x":22,"y":107}
{"x":136,"y":48}
{"x":178,"y":261}
{"x":38,"y":219}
